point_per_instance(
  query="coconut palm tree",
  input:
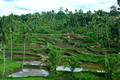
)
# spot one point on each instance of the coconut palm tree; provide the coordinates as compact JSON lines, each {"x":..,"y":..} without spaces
{"x":54,"y":59}
{"x":3,"y":30}
{"x":11,"y":29}
{"x":1,"y":42}
{"x":72,"y":64}
{"x":110,"y":66}
{"x":24,"y":36}
{"x":25,"y":29}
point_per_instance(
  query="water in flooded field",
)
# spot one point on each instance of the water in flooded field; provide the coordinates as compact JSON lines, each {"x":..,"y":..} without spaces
{"x":33,"y":63}
{"x":30,"y":72}
{"x":61,"y":68}
{"x":42,"y":72}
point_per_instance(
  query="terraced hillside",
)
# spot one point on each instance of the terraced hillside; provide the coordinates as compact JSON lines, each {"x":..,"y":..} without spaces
{"x":82,"y":48}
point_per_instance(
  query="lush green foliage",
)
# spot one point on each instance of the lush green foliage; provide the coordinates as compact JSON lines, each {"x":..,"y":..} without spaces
{"x":73,"y":63}
{"x":84,"y":75}
{"x":111,"y":68}
{"x":99,"y":34}
{"x":54,"y":57}
{"x":100,"y":26}
{"x":10,"y":66}
{"x":27,"y":78}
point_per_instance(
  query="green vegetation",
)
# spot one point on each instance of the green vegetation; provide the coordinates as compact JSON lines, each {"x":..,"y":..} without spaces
{"x":54,"y":57}
{"x":27,"y":78}
{"x":72,"y":64}
{"x":84,"y":75}
{"x":111,"y":68}
{"x":10,"y":66}
{"x":74,"y":40}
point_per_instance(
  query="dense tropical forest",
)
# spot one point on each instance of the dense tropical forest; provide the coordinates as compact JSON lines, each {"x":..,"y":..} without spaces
{"x":86,"y":40}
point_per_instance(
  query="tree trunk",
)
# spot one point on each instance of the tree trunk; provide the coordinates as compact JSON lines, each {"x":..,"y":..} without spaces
{"x":11,"y":45}
{"x":1,"y":45}
{"x":72,"y":72}
{"x":118,"y":42}
{"x":24,"y":50}
{"x":107,"y":34}
{"x":111,"y":78}
{"x":119,"y":37}
{"x":55,"y":70}
{"x":3,"y":53}
{"x":105,"y":66}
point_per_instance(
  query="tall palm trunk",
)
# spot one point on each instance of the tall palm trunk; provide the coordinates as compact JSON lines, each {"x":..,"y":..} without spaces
{"x":107,"y":34}
{"x":105,"y":65}
{"x":111,"y":78}
{"x":55,"y":70}
{"x":119,"y":36}
{"x":1,"y":45}
{"x":3,"y":35}
{"x":11,"y":45}
{"x":72,"y":71}
{"x":24,"y":49}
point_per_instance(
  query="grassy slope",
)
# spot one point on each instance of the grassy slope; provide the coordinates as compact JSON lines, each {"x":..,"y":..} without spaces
{"x":26,"y":78}
{"x":10,"y":66}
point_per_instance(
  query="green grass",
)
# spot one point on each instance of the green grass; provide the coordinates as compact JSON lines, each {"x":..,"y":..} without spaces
{"x":20,"y":57}
{"x":21,"y":48}
{"x":20,"y":52}
{"x":40,"y":43}
{"x":10,"y":66}
{"x":85,"y":44}
{"x":88,"y":57}
{"x":48,"y":38}
{"x":27,"y":78}
{"x":99,"y":49}
{"x":1,"y":57}
{"x":84,"y":75}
